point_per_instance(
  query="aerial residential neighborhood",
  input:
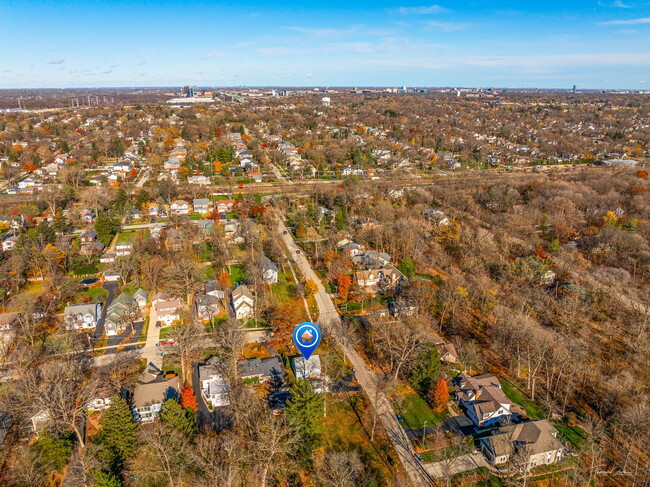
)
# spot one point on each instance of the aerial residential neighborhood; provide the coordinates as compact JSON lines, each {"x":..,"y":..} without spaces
{"x":330,"y":245}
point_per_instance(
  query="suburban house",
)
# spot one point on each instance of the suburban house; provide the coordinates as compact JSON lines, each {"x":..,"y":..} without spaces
{"x":215,"y":389}
{"x":174,"y":240}
{"x":447,"y":352}
{"x":482,"y":398}
{"x":99,"y":403}
{"x":82,"y":316}
{"x":150,"y":392}
{"x":140,"y":297}
{"x":214,"y":288}
{"x":309,"y":370}
{"x":269,"y":270}
{"x":89,"y":242}
{"x":206,"y":307}
{"x":107,"y":257}
{"x":351,"y":171}
{"x":202,"y":205}
{"x":152,"y":209}
{"x":9,"y":243}
{"x":155,"y":230}
{"x":88,"y":215}
{"x":201,"y":180}
{"x":264,"y":369}
{"x":533,"y":443}
{"x":168,"y":311}
{"x":385,"y":279}
{"x":7,"y":322}
{"x":371,"y":259}
{"x":352,"y":247}
{"x":242,"y":302}
{"x":397,"y":309}
{"x":111,"y":275}
{"x":179,"y":207}
{"x":123,"y":249}
{"x":224,"y":206}
{"x":123,"y":310}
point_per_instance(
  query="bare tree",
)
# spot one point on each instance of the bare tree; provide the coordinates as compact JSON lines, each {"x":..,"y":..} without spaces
{"x":61,"y":389}
{"x":187,"y":340}
{"x":398,"y":342}
{"x":341,"y":469}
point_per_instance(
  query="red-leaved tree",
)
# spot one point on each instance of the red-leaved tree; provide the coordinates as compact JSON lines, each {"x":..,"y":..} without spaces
{"x":188,"y":398}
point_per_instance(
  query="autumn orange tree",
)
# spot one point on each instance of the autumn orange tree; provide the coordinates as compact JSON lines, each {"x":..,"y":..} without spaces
{"x":283,"y":319}
{"x":224,"y":280}
{"x":188,"y":398}
{"x":440,"y":395}
{"x":343,"y":283}
{"x":311,"y":288}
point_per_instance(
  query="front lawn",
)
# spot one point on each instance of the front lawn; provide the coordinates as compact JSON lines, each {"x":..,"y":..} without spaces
{"x":416,"y":412}
{"x":237,"y":274}
{"x":128,"y":236}
{"x":164,"y":332}
{"x":533,"y":409}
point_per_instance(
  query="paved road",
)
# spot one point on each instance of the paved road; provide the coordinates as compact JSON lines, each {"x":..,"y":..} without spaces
{"x":330,"y":321}
{"x":111,"y":287}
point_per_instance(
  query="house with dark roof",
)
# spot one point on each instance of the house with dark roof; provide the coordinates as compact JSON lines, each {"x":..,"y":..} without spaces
{"x":534,"y":442}
{"x":482,"y":399}
{"x":205,"y":306}
{"x":264,"y":369}
{"x":214,"y":288}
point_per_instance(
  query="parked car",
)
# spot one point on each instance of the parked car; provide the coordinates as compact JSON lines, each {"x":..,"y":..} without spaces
{"x":167,"y":342}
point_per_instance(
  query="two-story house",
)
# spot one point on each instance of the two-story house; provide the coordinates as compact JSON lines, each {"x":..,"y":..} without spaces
{"x":151,"y":391}
{"x":215,"y":388}
{"x":82,"y":316}
{"x":482,"y":399}
{"x":179,"y":207}
{"x":243,"y":302}
{"x":202,"y":205}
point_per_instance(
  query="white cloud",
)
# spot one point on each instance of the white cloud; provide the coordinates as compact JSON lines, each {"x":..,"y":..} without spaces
{"x":58,"y":61}
{"x":445,"y":26}
{"x":615,"y":4}
{"x":431,"y":9}
{"x":642,"y":20}
{"x":213,"y":55}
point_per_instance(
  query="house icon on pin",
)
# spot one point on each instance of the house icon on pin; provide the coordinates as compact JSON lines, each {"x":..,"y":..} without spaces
{"x":307,"y":337}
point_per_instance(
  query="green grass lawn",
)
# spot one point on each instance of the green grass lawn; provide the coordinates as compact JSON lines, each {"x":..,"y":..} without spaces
{"x":574,"y":435}
{"x":208,"y":272}
{"x":128,"y":236}
{"x":415,"y":412}
{"x":95,"y":293}
{"x":533,"y":409}
{"x":282,"y":290}
{"x":237,"y":274}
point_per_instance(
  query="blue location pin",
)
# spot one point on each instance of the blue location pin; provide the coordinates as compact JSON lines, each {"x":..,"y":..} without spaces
{"x":307,"y":337}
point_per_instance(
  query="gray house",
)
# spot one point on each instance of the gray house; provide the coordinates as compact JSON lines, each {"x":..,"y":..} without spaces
{"x":82,"y":316}
{"x":265,"y":369}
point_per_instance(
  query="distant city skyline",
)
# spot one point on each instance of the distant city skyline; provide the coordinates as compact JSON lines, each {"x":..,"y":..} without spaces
{"x":105,"y":43}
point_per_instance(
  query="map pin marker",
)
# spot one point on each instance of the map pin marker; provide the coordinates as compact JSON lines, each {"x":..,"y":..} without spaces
{"x":306,"y":337}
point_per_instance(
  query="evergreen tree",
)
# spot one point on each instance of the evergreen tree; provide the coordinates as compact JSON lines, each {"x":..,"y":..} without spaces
{"x":106,"y":226}
{"x":407,"y":267}
{"x":176,"y":416}
{"x":120,"y":199}
{"x":118,"y":434}
{"x":103,"y":479}
{"x":425,"y":368}
{"x":305,"y":414}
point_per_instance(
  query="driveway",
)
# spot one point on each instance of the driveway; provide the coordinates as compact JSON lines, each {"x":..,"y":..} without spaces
{"x":460,"y":464}
{"x":118,"y":339}
{"x":111,"y":287}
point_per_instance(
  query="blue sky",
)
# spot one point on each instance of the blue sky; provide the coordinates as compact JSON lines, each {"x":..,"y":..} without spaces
{"x":64,"y":43}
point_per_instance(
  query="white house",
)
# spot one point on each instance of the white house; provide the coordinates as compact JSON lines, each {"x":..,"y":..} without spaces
{"x":202,"y":205}
{"x":8,"y":244}
{"x":123,"y":249}
{"x":309,"y":370}
{"x":168,"y":311}
{"x":82,"y":316}
{"x":269,"y":270}
{"x":242,"y":302}
{"x":179,"y":207}
{"x":482,"y":398}
{"x":215,"y":389}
